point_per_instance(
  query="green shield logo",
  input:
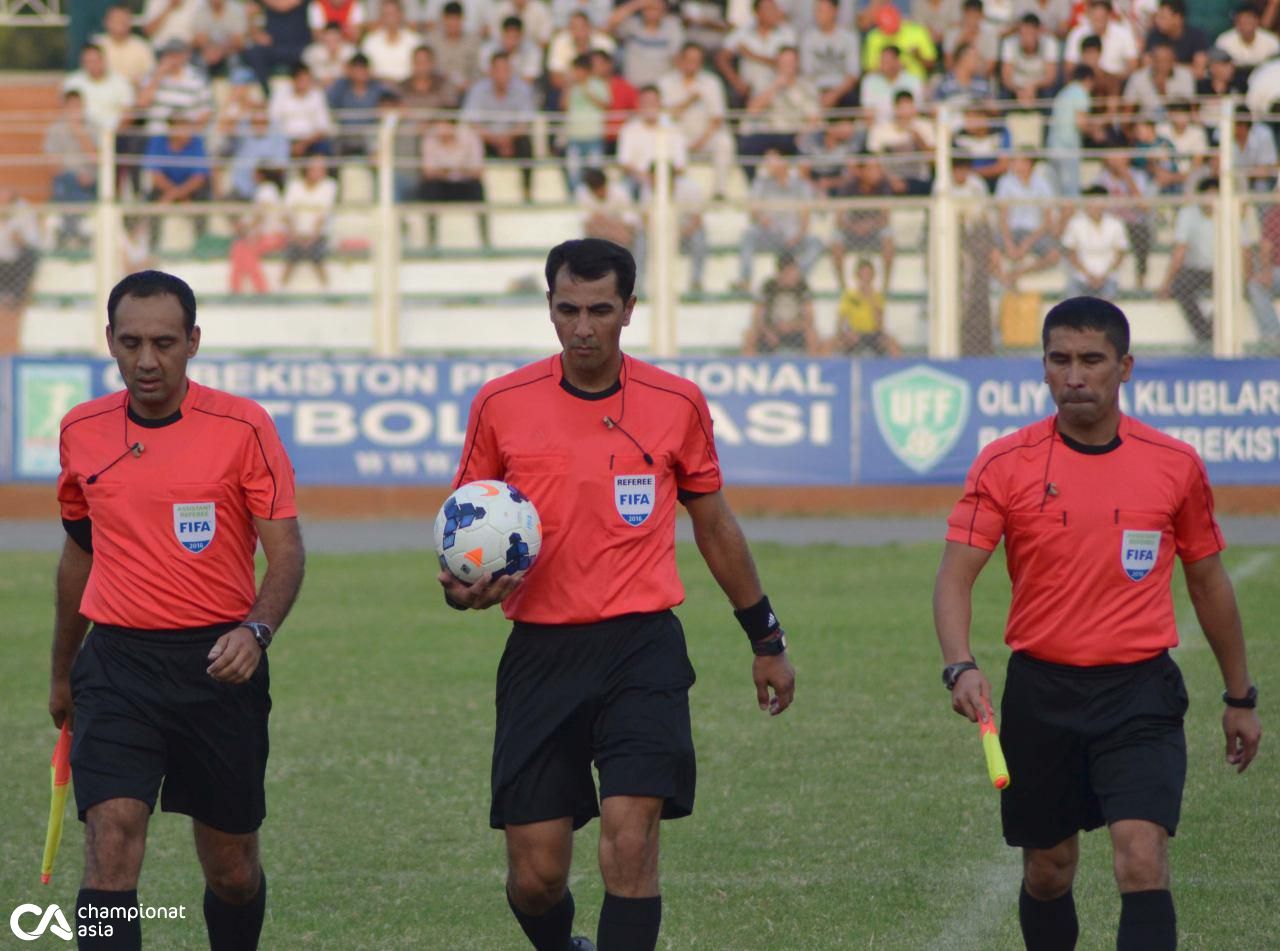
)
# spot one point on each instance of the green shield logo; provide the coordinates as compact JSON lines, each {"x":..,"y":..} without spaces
{"x":46,"y":391}
{"x":921,"y":413}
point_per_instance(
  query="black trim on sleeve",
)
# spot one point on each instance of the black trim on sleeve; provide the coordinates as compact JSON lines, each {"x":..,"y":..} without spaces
{"x":977,"y":483}
{"x":697,"y":415}
{"x":265,"y":461}
{"x":685,"y":496}
{"x":80,"y":531}
{"x":480,"y":412}
{"x":1196,"y":462}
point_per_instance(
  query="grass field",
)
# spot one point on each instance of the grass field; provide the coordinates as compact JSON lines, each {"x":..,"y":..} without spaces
{"x":860,"y":819}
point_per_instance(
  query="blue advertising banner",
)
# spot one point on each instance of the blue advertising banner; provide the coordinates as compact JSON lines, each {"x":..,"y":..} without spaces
{"x":389,"y":422}
{"x":778,"y":421}
{"x":924,"y":421}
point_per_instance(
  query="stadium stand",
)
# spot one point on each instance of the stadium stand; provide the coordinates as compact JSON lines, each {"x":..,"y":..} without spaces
{"x":476,"y":251}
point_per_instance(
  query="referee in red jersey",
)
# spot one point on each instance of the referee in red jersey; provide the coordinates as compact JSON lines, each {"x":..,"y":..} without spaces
{"x":166,"y":489}
{"x":1093,"y":506}
{"x":595,"y":668}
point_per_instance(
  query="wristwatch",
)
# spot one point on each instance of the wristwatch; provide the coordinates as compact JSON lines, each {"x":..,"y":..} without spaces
{"x":951,"y":673}
{"x":1248,"y":702}
{"x":262,"y":633}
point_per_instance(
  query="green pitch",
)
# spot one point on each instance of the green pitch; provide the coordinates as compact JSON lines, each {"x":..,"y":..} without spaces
{"x":860,"y":819}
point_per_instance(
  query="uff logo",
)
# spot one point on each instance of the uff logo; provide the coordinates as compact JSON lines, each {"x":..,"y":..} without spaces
{"x":633,"y":497}
{"x":920,"y":412}
{"x":1138,"y":553}
{"x":51,"y":919}
{"x":194,"y":523}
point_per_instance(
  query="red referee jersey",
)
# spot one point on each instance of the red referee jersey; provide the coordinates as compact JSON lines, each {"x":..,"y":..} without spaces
{"x":173,"y":530}
{"x":608,"y":516}
{"x":1090,"y":537}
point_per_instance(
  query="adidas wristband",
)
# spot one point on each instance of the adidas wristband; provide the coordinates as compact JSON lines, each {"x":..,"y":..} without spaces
{"x":759,"y":621}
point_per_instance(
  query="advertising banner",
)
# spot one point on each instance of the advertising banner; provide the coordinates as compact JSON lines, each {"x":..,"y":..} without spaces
{"x":403,"y":422}
{"x":778,"y":421}
{"x":925,"y":421}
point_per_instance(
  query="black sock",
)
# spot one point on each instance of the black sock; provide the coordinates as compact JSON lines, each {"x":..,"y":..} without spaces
{"x":629,"y":924}
{"x":1048,"y":925}
{"x":551,"y":930}
{"x":235,"y":927}
{"x":126,"y":933}
{"x":1147,"y":921}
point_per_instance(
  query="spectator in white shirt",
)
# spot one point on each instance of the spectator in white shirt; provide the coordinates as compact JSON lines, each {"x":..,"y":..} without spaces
{"x":390,"y":45}
{"x":106,"y":95}
{"x":831,"y":57}
{"x":126,"y":53}
{"x":1150,"y":87}
{"x":526,"y":57}
{"x":167,"y":20}
{"x":19,"y":248}
{"x":1247,"y":43}
{"x":756,"y":48}
{"x":881,"y":86}
{"x":1029,"y":61}
{"x":221,"y":28}
{"x":1119,"y":47}
{"x":609,"y":212}
{"x":977,"y":32}
{"x":578,"y":37}
{"x":533,"y":14}
{"x":638,"y":142}
{"x":175,"y":89}
{"x":910,"y":135}
{"x":650,"y":36}
{"x":596,"y":11}
{"x":1095,"y":243}
{"x":308,"y":203}
{"x":1025,"y":234}
{"x":328,"y":56}
{"x":694,"y":98}
{"x":780,"y":112}
{"x":300,"y":111}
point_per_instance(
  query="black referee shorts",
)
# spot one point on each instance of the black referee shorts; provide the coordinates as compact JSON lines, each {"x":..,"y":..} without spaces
{"x":1091,"y":745}
{"x":616,"y":692}
{"x":147,"y":714}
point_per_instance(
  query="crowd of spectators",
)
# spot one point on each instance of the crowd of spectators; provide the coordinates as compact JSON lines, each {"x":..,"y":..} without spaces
{"x":809,"y":98}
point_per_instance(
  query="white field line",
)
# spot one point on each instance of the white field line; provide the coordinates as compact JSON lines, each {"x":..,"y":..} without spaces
{"x":1189,"y":636}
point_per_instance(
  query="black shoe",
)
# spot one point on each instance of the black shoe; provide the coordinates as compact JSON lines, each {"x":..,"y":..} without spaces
{"x":580,"y":943}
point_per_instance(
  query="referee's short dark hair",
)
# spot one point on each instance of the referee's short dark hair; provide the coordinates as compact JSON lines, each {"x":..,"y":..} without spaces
{"x":590,"y":259}
{"x":1090,"y":313}
{"x":154,"y":284}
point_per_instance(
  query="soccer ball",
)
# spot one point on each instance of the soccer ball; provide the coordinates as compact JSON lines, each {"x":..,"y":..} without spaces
{"x":487,"y":527}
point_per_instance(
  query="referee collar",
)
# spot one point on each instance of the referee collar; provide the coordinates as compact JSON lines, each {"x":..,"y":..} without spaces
{"x":581,"y":394}
{"x":148,"y":423}
{"x":1088,"y":449}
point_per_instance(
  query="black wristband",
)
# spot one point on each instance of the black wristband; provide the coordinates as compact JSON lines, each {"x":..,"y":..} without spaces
{"x":453,"y":604}
{"x":758,"y":621}
{"x":1248,"y":702}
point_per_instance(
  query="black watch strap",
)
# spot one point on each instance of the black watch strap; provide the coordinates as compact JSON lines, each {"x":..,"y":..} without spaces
{"x":262,"y":632}
{"x":951,"y":673}
{"x":1248,"y":702}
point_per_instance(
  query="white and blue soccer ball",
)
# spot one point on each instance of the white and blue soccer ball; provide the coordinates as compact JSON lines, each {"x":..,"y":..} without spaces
{"x":487,"y":526}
